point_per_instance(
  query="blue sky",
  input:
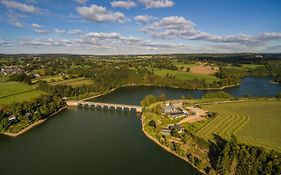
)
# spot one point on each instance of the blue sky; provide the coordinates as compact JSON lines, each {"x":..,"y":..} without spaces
{"x":139,"y":26}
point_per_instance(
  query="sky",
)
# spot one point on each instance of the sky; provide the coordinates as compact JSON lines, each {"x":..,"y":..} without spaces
{"x":106,"y":27}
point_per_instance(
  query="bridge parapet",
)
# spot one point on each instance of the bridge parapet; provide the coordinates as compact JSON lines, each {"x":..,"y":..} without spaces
{"x":107,"y":105}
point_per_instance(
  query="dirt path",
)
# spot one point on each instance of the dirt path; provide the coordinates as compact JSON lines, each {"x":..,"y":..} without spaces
{"x":192,"y":119}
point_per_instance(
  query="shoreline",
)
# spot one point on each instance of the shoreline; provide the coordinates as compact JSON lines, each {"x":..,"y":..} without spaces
{"x":98,"y":95}
{"x":166,"y":148}
{"x":33,"y":124}
{"x":276,"y":82}
{"x":151,"y":85}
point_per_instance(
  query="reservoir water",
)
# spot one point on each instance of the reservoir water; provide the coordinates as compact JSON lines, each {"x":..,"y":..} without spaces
{"x":250,"y":86}
{"x":88,"y":141}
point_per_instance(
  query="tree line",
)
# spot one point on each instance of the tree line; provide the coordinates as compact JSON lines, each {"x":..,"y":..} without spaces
{"x":28,"y":112}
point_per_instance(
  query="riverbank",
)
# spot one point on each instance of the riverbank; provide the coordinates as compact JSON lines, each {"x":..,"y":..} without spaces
{"x":33,"y":124}
{"x":176,"y":87}
{"x":166,"y":148}
{"x":98,"y":95}
{"x":152,"y":85}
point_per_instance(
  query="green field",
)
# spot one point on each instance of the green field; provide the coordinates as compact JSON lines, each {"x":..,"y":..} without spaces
{"x":15,"y":92}
{"x":178,"y":64}
{"x":76,"y":82}
{"x":50,"y":79}
{"x":253,"y":122}
{"x":22,"y":97}
{"x":11,"y":88}
{"x":182,"y":75}
{"x":243,"y":67}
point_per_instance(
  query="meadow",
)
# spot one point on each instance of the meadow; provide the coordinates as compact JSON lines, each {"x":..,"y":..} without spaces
{"x":49,"y":79}
{"x":243,"y":67}
{"x":16,"y":92}
{"x":254,"y":122}
{"x":75,"y":82}
{"x":183,"y":75}
{"x":11,"y":88}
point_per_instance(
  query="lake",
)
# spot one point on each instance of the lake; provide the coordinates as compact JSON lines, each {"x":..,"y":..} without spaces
{"x":252,"y":86}
{"x":88,"y":141}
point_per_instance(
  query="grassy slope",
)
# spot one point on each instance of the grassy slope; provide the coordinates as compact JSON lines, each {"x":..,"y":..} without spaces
{"x":76,"y":82}
{"x":181,"y":75}
{"x":244,"y":66}
{"x":253,"y":122}
{"x":50,"y":79}
{"x":10,"y":88}
{"x":16,"y":92}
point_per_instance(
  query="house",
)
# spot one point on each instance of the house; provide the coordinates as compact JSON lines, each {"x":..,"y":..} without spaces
{"x":174,"y":112}
{"x":9,"y":70}
{"x":12,"y":119}
{"x":177,"y":127}
{"x":166,"y":131}
{"x":28,"y":116}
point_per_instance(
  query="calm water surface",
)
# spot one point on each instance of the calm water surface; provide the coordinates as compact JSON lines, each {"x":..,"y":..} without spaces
{"x":87,"y":141}
{"x":253,"y":86}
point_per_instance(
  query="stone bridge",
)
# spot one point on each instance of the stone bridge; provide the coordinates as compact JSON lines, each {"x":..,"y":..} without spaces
{"x":105,"y":105}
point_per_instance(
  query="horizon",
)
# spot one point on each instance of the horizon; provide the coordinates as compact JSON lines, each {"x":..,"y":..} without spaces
{"x":140,"y":27}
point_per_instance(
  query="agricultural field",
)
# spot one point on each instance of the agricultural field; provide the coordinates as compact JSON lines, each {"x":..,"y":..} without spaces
{"x":75,"y":82}
{"x":50,"y":79}
{"x":22,"y":97}
{"x":254,"y":122}
{"x":11,"y":88}
{"x":15,"y":92}
{"x":183,"y":75}
{"x":244,"y":66}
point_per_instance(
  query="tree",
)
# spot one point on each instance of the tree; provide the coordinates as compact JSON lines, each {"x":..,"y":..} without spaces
{"x":162,"y":97}
{"x":157,"y":109}
{"x":175,"y":133}
{"x":148,"y":100}
{"x":21,"y":77}
{"x":152,"y":124}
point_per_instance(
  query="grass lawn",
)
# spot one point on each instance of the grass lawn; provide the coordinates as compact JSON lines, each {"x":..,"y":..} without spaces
{"x":52,"y":78}
{"x":11,"y":88}
{"x":75,"y":82}
{"x":178,"y":64}
{"x":255,"y":122}
{"x":182,"y":75}
{"x":16,"y":92}
{"x":22,"y":97}
{"x":244,"y":66}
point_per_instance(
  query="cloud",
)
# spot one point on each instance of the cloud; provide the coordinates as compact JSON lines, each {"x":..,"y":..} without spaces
{"x":101,"y":35}
{"x":48,"y":42}
{"x":81,"y":1}
{"x":100,"y":14}
{"x":17,"y":24}
{"x":143,"y":18}
{"x":116,"y":43}
{"x":13,"y":19}
{"x":37,"y":26}
{"x":157,"y":3}
{"x":176,"y":27}
{"x":4,"y":42}
{"x":38,"y":29}
{"x":41,"y":31}
{"x":60,"y":31}
{"x":20,"y":6}
{"x":75,"y":32}
{"x":103,"y":40}
{"x":123,"y":4}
